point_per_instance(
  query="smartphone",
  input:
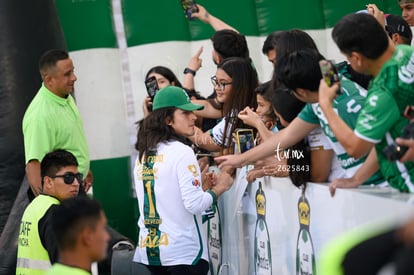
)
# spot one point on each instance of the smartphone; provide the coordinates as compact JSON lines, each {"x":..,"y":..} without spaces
{"x":245,"y":139}
{"x":329,"y":73}
{"x":189,"y":7}
{"x":152,"y":86}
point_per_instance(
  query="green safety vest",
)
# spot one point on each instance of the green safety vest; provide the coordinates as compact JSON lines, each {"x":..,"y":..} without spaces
{"x":59,"y":269}
{"x":32,"y":257}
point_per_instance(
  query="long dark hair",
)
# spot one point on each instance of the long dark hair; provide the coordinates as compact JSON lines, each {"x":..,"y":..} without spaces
{"x":286,"y":104}
{"x":165,"y":72}
{"x":288,"y":107}
{"x":266,"y":91}
{"x":285,"y":42}
{"x":244,"y":81}
{"x":294,"y":40}
{"x":153,"y":129}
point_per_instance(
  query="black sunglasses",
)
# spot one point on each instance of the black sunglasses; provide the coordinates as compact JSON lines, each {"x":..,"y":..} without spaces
{"x":69,"y":177}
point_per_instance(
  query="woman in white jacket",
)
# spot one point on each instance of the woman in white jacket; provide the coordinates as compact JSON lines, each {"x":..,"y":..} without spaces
{"x":172,"y":192}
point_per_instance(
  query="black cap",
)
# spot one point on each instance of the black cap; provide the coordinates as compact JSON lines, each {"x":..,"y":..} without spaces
{"x":396,"y":24}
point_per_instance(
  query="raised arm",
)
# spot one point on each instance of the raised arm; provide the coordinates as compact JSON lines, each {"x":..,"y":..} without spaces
{"x":193,"y":66}
{"x":203,"y":140}
{"x":216,"y":23}
{"x":367,"y":169}
{"x":209,"y":110}
{"x":354,"y":145}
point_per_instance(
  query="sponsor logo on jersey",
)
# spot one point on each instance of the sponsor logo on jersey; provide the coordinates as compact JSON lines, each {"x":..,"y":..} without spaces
{"x":406,"y":73}
{"x":196,"y":183}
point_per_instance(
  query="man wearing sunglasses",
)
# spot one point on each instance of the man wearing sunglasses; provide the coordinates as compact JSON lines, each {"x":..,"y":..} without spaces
{"x":37,"y":248}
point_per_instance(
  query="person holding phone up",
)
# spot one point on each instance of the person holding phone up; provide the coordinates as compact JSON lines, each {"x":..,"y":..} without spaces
{"x":227,"y":42}
{"x":381,"y":120}
{"x":159,"y":77}
{"x":299,"y":72}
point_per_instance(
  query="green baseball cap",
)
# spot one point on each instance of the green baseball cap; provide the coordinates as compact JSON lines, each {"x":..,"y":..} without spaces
{"x":172,"y":96}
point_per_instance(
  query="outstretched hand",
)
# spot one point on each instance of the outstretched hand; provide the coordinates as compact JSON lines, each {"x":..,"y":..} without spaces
{"x":249,"y":117}
{"x":228,"y":160}
{"x":222,"y":182}
{"x":343,"y":183}
{"x":208,"y":179}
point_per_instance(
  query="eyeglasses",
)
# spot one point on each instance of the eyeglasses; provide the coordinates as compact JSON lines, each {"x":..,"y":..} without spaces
{"x":69,"y":177}
{"x":221,"y":85}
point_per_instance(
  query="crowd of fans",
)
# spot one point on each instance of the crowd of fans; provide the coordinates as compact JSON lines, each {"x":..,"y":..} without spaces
{"x":349,"y":131}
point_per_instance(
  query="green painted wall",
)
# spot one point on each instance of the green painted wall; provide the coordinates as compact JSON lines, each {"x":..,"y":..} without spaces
{"x":112,"y":188}
{"x":87,"y":24}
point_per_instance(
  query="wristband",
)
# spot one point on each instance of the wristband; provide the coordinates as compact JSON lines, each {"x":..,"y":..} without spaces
{"x":213,"y":194}
{"x":188,"y":70}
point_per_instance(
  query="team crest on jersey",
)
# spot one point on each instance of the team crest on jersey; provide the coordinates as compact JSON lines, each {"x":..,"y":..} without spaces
{"x":406,"y":73}
{"x":193,"y":170}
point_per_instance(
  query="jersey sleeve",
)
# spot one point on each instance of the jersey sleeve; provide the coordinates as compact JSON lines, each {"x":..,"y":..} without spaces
{"x":380,"y":112}
{"x":308,"y":115}
{"x":217,"y":133}
{"x":194,"y":198}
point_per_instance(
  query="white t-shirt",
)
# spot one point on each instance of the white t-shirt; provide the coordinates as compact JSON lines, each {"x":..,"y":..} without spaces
{"x":170,"y":201}
{"x":217,"y":132}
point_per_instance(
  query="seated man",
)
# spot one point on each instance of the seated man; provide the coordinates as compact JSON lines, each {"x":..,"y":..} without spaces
{"x":60,"y":180}
{"x":79,"y":225}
